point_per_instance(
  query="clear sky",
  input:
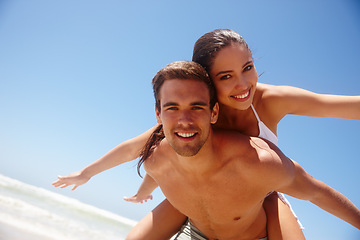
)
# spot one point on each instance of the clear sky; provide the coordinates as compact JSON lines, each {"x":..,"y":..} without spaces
{"x":75,"y":82}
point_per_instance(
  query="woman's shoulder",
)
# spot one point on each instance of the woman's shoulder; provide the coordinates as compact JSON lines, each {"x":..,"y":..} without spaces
{"x":270,"y":96}
{"x":264,"y":87}
{"x":268,"y":90}
{"x":269,"y":101}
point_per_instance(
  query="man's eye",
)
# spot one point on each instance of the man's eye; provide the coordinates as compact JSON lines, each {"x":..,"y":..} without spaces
{"x":197,"y":108}
{"x":227,"y":76}
{"x":172,"y":108}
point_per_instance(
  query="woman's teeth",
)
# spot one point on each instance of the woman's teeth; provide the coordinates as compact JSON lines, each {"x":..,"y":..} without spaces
{"x":241,"y":96}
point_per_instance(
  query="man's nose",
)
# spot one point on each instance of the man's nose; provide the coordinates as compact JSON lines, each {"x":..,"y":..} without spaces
{"x":185,"y":118}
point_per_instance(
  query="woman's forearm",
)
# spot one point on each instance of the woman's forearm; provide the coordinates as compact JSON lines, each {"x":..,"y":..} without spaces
{"x":337,"y":204}
{"x":124,"y":152}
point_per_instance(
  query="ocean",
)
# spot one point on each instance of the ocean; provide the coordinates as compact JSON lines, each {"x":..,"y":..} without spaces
{"x":32,"y":213}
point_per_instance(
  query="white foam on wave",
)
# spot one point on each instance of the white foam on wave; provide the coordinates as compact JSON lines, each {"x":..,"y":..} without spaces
{"x":55,"y":216}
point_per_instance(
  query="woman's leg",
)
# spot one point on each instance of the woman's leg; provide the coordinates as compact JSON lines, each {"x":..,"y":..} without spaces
{"x":161,"y":223}
{"x":281,"y":222}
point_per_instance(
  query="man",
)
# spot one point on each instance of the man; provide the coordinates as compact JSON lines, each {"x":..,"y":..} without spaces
{"x":219,"y":179}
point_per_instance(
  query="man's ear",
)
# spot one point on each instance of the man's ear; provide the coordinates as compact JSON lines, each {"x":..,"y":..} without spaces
{"x":158,"y":117}
{"x":215,"y":113}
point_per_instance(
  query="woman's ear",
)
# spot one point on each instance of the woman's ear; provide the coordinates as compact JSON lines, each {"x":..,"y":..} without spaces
{"x":215,"y":113}
{"x":158,"y":116}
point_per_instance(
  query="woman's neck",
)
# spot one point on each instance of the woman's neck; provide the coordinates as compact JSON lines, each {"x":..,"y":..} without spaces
{"x":243,"y":121}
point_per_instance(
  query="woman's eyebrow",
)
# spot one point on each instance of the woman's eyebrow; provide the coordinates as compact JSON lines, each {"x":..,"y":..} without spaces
{"x":248,"y":62}
{"x":223,"y":72}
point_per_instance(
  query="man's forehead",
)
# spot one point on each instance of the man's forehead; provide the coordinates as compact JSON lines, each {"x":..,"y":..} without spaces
{"x":181,"y":89}
{"x":175,"y":85}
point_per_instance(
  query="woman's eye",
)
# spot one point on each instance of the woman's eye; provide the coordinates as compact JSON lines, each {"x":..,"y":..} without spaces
{"x":248,"y":68}
{"x":227,"y":76}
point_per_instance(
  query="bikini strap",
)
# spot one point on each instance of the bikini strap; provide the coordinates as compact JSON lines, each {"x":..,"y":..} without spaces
{"x":256,"y":115}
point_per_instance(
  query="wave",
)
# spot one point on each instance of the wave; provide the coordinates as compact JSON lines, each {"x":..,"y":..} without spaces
{"x":33,"y":210}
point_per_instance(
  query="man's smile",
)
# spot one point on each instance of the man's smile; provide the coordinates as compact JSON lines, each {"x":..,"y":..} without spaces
{"x":185,"y":134}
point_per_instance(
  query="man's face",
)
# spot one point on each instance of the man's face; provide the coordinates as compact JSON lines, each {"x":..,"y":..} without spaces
{"x":186,"y":115}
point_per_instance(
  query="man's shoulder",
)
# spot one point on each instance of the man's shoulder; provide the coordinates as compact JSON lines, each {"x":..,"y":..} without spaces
{"x":229,"y":135}
{"x":230,"y":138}
{"x":163,"y":149}
{"x":158,"y":162}
{"x":250,"y":149}
{"x":259,"y":159}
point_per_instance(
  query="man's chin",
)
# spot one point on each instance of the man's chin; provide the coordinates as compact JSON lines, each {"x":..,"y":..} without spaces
{"x":187,"y":152}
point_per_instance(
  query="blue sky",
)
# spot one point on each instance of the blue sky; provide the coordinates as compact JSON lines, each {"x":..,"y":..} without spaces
{"x":75,"y":82}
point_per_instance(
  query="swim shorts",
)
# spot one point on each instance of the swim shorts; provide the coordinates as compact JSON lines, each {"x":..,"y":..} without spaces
{"x":189,"y":231}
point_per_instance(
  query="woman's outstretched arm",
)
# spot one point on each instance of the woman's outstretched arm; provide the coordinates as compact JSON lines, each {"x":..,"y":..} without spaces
{"x":283,"y":100}
{"x":124,"y":152}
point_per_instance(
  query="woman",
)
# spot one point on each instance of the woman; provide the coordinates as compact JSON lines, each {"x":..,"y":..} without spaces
{"x":252,"y":108}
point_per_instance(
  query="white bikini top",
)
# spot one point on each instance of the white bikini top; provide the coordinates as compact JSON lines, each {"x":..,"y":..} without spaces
{"x":265,"y":132}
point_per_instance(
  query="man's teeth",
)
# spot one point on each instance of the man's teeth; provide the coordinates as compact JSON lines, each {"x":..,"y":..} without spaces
{"x":242,"y":95}
{"x":186,"y":135}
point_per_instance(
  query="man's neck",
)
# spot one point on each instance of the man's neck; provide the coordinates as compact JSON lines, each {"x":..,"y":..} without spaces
{"x":202,"y":162}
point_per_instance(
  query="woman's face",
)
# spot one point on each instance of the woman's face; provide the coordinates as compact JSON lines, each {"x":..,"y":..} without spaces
{"x":234,"y":76}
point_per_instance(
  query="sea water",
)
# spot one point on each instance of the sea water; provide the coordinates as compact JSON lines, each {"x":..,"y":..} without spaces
{"x":28,"y":213}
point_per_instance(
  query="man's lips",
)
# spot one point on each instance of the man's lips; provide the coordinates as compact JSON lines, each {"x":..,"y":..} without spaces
{"x":185,"y":135}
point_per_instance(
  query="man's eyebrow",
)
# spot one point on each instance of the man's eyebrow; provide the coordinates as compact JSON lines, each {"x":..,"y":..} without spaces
{"x":199,"y":104}
{"x":227,"y":71}
{"x":192,"y":104}
{"x":170,"y":104}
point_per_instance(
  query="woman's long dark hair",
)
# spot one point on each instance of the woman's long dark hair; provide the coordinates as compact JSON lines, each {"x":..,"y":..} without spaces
{"x":151,"y":144}
{"x":209,"y":44}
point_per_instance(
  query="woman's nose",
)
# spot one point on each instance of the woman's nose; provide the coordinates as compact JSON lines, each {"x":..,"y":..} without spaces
{"x":241,"y":83}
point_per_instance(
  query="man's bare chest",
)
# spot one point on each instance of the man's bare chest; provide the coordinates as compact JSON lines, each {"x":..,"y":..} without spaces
{"x":219,"y":201}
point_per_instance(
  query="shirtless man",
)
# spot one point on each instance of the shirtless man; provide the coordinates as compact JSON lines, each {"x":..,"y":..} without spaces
{"x":219,"y":179}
